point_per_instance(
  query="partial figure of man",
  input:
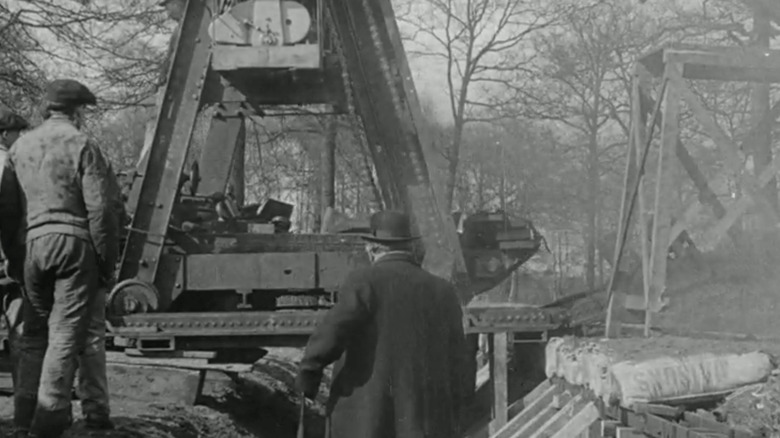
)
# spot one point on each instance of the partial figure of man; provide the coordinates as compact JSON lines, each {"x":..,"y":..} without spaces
{"x":72,"y":244}
{"x":396,"y":335}
{"x":11,"y":215}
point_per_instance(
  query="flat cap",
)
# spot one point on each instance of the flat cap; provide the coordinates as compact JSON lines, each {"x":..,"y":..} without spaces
{"x":10,"y":121}
{"x":67,"y":93}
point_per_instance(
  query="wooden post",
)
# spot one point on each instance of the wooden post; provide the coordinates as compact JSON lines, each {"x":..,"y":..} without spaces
{"x":670,"y":130}
{"x":614,"y":308}
{"x":762,"y":146}
{"x":238,"y":176}
{"x":499,"y":373}
{"x":640,"y":112}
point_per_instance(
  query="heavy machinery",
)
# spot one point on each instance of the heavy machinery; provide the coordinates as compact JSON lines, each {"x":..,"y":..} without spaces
{"x":200,"y":271}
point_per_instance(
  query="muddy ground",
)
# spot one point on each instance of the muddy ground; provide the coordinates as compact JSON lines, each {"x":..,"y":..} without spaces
{"x":260,"y":403}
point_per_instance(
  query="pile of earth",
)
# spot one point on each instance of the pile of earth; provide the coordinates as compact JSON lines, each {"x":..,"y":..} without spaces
{"x":756,"y":407}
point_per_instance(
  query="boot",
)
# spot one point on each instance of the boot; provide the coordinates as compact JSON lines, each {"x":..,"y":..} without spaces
{"x":51,"y":424}
{"x":24,"y":411}
{"x":98,"y":422}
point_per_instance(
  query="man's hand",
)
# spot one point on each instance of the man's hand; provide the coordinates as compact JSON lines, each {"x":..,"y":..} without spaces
{"x":308,"y":382}
{"x":14,"y":271}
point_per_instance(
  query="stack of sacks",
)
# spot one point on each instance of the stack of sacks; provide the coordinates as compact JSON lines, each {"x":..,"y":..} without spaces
{"x":628,"y":371}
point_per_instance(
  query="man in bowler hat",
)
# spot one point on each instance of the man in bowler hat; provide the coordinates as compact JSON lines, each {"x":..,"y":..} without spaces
{"x":396,"y":335}
{"x":72,"y":245}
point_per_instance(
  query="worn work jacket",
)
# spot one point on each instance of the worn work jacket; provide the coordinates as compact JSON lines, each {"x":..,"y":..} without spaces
{"x":397,"y":333}
{"x":68,"y":187}
{"x":11,"y":213}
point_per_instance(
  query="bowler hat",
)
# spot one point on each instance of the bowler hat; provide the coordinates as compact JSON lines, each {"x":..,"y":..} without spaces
{"x":390,"y":226}
{"x":67,"y":93}
{"x":10,"y":121}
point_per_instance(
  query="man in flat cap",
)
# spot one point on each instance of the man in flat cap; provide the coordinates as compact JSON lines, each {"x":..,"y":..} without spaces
{"x":72,"y":245}
{"x":396,"y":333}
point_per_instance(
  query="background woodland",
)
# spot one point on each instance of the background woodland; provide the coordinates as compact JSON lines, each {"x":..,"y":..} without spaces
{"x":528,"y":101}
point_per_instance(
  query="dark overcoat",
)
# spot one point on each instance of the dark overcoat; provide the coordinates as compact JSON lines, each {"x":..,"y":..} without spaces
{"x":396,"y":334}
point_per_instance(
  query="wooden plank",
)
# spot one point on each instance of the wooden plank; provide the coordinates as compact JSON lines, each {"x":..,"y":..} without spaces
{"x":536,"y":393}
{"x":658,"y":409}
{"x":628,"y":432}
{"x":594,"y":431}
{"x":534,"y":408}
{"x":670,"y":131}
{"x":521,"y":411}
{"x":183,"y":363}
{"x":736,"y":58}
{"x":532,"y":417}
{"x":608,"y":428}
{"x":483,"y":376}
{"x":701,"y":422}
{"x":580,"y":422}
{"x":560,"y":418}
{"x":153,"y":384}
{"x":499,"y":357}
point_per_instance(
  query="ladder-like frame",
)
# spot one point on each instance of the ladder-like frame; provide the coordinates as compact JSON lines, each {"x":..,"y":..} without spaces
{"x":674,"y":66}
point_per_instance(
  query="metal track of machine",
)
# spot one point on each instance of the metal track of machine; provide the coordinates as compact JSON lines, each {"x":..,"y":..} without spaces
{"x":199,"y":270}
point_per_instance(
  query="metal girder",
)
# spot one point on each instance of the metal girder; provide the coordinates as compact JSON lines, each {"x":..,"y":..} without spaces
{"x":387,"y":104}
{"x":157,"y":191}
{"x":257,"y":323}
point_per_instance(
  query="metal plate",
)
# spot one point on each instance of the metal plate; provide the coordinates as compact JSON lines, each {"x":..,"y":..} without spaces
{"x":251,"y":271}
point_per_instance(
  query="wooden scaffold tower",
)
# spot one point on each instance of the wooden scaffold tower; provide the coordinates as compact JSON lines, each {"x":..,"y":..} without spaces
{"x":672,"y":68}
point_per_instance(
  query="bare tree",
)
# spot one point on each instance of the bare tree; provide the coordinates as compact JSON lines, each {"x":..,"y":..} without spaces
{"x":477,"y":43}
{"x":581,"y":89}
{"x":114,"y":41}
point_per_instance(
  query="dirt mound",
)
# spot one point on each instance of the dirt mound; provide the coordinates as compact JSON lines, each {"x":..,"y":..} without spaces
{"x":729,"y":290}
{"x":756,"y":407}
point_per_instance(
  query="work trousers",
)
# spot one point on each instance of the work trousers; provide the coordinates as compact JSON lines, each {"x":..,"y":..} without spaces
{"x":62,"y":310}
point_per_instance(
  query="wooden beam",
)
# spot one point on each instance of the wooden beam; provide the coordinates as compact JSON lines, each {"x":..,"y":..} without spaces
{"x":630,"y":182}
{"x":736,"y":58}
{"x":628,"y":432}
{"x":608,"y":428}
{"x":542,"y":416}
{"x":706,"y":194}
{"x":560,"y":418}
{"x":739,"y":207}
{"x":760,"y":107}
{"x":640,"y":120}
{"x":688,"y":215}
{"x":580,"y":422}
{"x":524,"y":410}
{"x":499,"y":357}
{"x":727,"y":147}
{"x":670,"y":131}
